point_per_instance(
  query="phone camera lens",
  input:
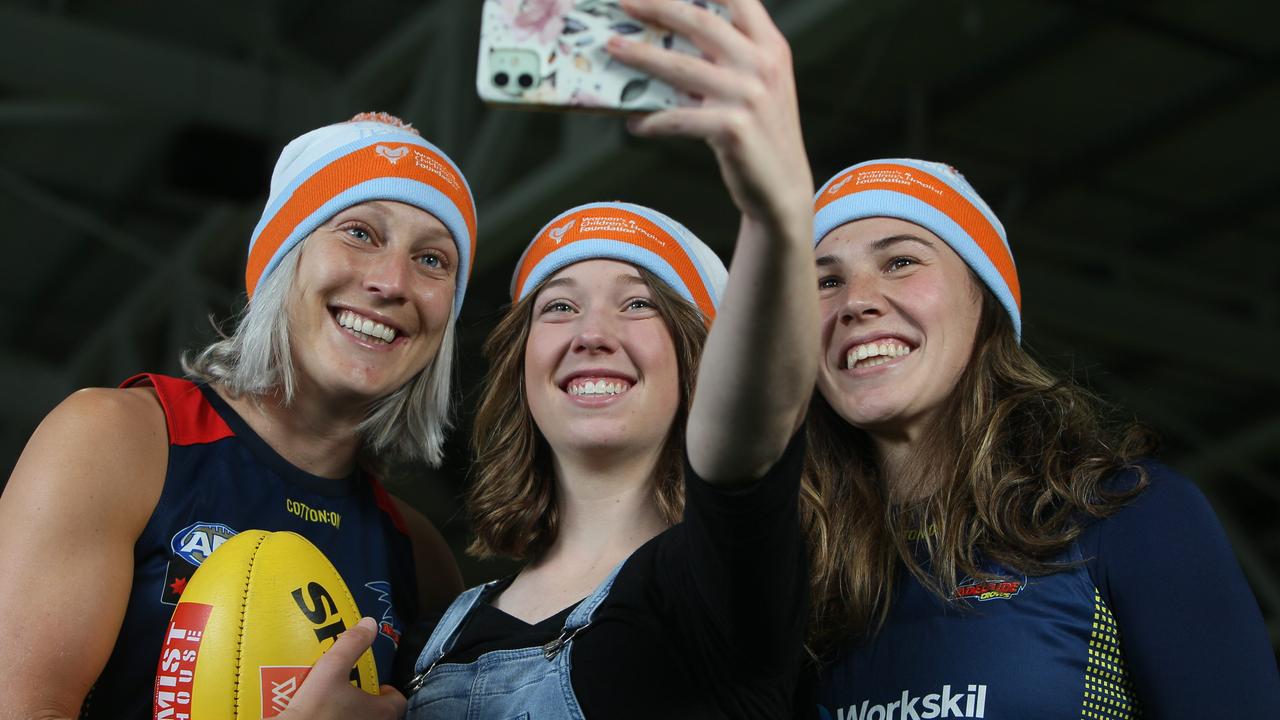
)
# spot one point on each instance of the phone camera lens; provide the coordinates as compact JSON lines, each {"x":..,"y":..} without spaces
{"x":526,"y":80}
{"x":501,"y":79}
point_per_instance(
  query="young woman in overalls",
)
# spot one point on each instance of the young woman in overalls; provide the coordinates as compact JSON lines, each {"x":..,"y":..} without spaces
{"x":665,"y":567}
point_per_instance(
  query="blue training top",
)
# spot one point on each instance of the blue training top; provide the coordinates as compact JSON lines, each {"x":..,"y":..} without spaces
{"x":223,"y":478}
{"x":1157,"y":622}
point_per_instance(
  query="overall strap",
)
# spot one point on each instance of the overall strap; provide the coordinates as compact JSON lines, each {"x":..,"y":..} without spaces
{"x":580,"y":618}
{"x":449,"y":627}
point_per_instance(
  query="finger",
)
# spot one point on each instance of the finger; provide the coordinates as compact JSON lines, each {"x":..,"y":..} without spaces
{"x":394,"y":699}
{"x":691,"y":74}
{"x":337,"y":661}
{"x":751,"y":18}
{"x":715,"y":37}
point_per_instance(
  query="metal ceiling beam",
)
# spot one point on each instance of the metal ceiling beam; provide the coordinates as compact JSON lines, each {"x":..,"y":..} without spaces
{"x":1064,"y":251}
{"x":1133,"y":15}
{"x":1121,"y":317}
{"x":75,"y":216}
{"x":152,"y":300}
{"x":392,"y":59}
{"x":44,"y":55}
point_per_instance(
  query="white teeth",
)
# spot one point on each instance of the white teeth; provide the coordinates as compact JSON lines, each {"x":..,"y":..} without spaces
{"x":364,"y":326}
{"x":874,"y":353}
{"x":597,"y":387}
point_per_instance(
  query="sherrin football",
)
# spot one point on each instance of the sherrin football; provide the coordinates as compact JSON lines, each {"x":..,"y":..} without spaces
{"x":251,"y":622}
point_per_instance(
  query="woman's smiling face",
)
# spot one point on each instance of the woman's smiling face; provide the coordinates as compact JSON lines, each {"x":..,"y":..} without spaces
{"x":600,"y":364}
{"x":900,"y":313}
{"x":371,"y":299}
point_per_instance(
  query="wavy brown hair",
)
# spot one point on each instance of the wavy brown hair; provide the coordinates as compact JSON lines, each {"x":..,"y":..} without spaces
{"x":1023,"y":457}
{"x":512,"y":500}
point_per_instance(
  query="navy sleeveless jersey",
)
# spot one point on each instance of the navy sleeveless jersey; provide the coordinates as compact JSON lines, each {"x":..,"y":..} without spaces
{"x":222,"y":479}
{"x":1154,"y":619}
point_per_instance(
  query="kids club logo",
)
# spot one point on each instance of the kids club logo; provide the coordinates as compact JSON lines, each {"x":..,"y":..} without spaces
{"x":392,"y":155}
{"x":557,"y":233}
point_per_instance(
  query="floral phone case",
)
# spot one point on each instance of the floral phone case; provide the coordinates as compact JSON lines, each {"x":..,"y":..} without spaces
{"x":550,"y":54}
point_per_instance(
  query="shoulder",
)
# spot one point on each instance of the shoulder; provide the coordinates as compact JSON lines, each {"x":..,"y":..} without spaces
{"x":101,"y":452}
{"x":124,"y":425}
{"x":1163,"y":494}
{"x":1168,"y":528}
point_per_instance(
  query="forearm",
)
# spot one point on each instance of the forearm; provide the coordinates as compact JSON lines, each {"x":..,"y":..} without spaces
{"x":758,"y":366}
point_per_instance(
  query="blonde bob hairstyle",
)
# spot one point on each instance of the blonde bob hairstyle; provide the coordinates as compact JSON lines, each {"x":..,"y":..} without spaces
{"x":512,"y":501}
{"x":1022,"y":461}
{"x":256,"y":361}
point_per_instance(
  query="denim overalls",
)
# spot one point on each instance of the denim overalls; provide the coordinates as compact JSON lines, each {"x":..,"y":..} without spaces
{"x":528,"y":683}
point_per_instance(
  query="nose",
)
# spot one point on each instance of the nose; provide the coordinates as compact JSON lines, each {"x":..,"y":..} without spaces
{"x":387,"y":275}
{"x":862,"y":300}
{"x":597,"y":333}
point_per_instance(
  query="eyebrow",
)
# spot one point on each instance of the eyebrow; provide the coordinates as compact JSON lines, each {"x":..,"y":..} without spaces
{"x":892,"y":240}
{"x":621,"y":279}
{"x":877,"y":246}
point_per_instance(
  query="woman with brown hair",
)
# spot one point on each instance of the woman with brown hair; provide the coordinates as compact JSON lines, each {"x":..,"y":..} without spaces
{"x":987,"y":544}
{"x":665,"y":569}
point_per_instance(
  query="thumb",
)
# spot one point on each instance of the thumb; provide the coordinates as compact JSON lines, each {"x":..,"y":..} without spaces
{"x":337,"y":661}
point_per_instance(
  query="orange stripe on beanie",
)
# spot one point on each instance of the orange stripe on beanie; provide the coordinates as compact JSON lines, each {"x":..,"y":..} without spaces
{"x":628,"y":233}
{"x":373,"y":156}
{"x":935,"y":197}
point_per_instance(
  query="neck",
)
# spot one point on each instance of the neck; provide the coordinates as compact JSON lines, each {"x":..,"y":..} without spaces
{"x":315,"y":436}
{"x":901,"y":472}
{"x":607,"y":507}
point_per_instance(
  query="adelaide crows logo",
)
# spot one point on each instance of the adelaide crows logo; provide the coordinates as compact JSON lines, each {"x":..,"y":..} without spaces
{"x":984,"y":590}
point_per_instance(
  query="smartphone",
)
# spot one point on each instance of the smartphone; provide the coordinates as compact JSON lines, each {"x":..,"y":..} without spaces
{"x":550,"y":54}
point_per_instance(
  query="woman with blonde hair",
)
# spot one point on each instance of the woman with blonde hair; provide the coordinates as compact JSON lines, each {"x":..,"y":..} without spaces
{"x":987,"y":544}
{"x":664,"y":571}
{"x":342,"y":358}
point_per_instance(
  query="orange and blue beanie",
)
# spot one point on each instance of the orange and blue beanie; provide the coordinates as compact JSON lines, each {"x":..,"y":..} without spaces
{"x":935,"y":197}
{"x":373,"y":156}
{"x":627,"y":233}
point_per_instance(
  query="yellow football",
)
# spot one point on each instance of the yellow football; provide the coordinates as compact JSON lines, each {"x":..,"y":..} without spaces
{"x":252,"y":621}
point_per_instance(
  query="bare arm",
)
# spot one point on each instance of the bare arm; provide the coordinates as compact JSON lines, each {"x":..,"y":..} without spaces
{"x":439,"y":580}
{"x":758,"y":368}
{"x":78,"y":499}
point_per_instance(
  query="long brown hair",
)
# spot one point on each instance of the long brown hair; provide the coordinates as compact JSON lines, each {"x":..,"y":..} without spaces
{"x":1022,"y":456}
{"x":512,"y":503}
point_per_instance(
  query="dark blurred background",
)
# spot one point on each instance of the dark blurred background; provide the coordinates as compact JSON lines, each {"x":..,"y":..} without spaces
{"x":1130,"y":148}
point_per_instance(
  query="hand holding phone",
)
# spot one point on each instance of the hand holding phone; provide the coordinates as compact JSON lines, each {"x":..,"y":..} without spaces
{"x":749,"y":113}
{"x":551,"y":54}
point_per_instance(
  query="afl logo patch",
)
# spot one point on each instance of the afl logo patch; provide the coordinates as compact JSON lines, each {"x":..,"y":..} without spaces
{"x":197,"y":541}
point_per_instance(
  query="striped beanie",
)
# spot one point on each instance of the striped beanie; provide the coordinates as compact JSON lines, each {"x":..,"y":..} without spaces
{"x":631,"y":234}
{"x":935,"y":197}
{"x":373,"y":156}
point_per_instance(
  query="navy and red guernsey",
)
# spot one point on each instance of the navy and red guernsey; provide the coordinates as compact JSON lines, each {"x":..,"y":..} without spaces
{"x":1154,"y":620}
{"x":223,"y":478}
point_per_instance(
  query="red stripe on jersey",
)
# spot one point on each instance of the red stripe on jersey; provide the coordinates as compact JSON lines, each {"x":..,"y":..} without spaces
{"x":388,"y":506}
{"x":190,"y":418}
